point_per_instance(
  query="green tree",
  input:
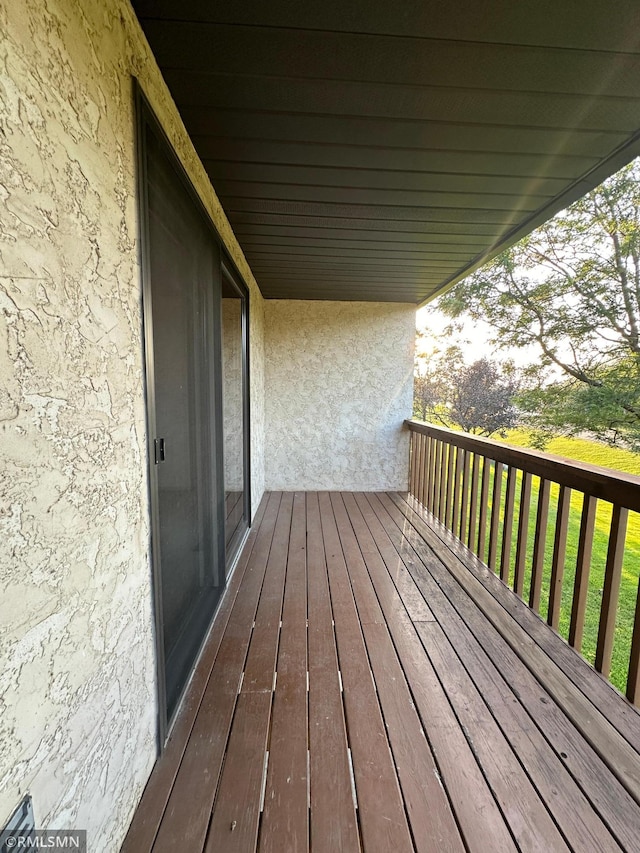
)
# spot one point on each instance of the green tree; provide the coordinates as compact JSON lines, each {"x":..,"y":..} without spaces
{"x":478,"y":397}
{"x":570,"y":291}
{"x":482,"y":398}
{"x":426,"y":394}
{"x":432,"y":365}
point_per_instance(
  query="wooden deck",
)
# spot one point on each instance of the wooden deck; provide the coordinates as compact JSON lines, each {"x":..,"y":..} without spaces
{"x":370,"y":685}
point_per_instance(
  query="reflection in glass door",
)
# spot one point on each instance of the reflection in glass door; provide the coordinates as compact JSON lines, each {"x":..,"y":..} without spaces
{"x":234,"y":408}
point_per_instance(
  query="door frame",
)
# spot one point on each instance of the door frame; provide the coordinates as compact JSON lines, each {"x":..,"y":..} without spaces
{"x":229,"y":269}
{"x":146,"y":122}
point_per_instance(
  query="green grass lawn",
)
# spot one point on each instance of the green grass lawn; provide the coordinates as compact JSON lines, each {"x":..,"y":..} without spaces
{"x":597,"y":454}
{"x":585,"y":451}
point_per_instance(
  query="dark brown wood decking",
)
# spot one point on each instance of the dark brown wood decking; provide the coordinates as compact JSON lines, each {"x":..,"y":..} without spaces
{"x":370,"y":685}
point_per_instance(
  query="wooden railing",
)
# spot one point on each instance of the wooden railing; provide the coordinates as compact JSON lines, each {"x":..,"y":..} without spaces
{"x":505,"y":504}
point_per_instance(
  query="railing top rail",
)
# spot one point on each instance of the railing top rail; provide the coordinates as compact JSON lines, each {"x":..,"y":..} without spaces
{"x":617,"y":487}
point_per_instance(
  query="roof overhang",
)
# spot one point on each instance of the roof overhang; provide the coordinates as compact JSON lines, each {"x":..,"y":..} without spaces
{"x":383,"y":151}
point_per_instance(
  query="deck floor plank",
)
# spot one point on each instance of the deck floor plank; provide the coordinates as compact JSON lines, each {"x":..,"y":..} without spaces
{"x":186,"y":818}
{"x":236,"y":815}
{"x":606,"y":739}
{"x":481,"y":822}
{"x":263,"y":651}
{"x":531,"y":823}
{"x":285,"y":820}
{"x":602,"y":788}
{"x":334,"y":824}
{"x":573,"y":812}
{"x":623,"y":715}
{"x":428,"y":807}
{"x":234,"y":825}
{"x":382,"y":817}
{"x":368,"y":685}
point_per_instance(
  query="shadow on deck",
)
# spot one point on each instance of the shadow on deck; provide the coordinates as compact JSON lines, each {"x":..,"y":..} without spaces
{"x":369,"y":684}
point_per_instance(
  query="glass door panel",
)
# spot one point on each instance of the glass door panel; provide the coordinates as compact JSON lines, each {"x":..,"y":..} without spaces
{"x":184,"y":287}
{"x":233,"y":398}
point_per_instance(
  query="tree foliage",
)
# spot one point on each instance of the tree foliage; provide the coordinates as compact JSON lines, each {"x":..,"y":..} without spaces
{"x":476,"y":397}
{"x":427,"y":393}
{"x":571,"y":292}
{"x":482,"y":399}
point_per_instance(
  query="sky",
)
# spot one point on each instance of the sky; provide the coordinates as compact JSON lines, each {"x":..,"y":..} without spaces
{"x":474,"y":339}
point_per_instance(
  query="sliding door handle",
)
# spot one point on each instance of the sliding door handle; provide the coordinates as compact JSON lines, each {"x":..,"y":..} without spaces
{"x":158,"y":450}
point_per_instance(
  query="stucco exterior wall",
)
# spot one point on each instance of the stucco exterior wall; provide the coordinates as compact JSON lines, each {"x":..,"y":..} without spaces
{"x":77,"y":669}
{"x":339,"y":383}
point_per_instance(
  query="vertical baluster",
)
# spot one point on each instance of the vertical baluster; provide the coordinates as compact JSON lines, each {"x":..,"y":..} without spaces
{"x":495,"y":514}
{"x":507,"y":526}
{"x":420,"y":466}
{"x":464,"y":497}
{"x":633,"y":677}
{"x":433,"y":467}
{"x":457,"y":499}
{"x":559,"y":555}
{"x":424,"y":491}
{"x":473,"y":502}
{"x":413,"y":465}
{"x":428,"y":473}
{"x":424,"y":469}
{"x":449,"y":498}
{"x":446,"y":450}
{"x":424,"y":485}
{"x":539,"y":543}
{"x":523,"y":532}
{"x":583,"y":565}
{"x":484,"y":502}
{"x":437,"y":472}
{"x":612,"y":575}
{"x":432,"y":473}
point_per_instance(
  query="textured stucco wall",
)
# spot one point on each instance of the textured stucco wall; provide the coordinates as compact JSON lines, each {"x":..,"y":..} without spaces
{"x":339,"y":382}
{"x":77,"y":669}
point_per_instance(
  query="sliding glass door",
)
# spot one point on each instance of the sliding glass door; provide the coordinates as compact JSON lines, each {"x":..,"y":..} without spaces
{"x":195,"y":313}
